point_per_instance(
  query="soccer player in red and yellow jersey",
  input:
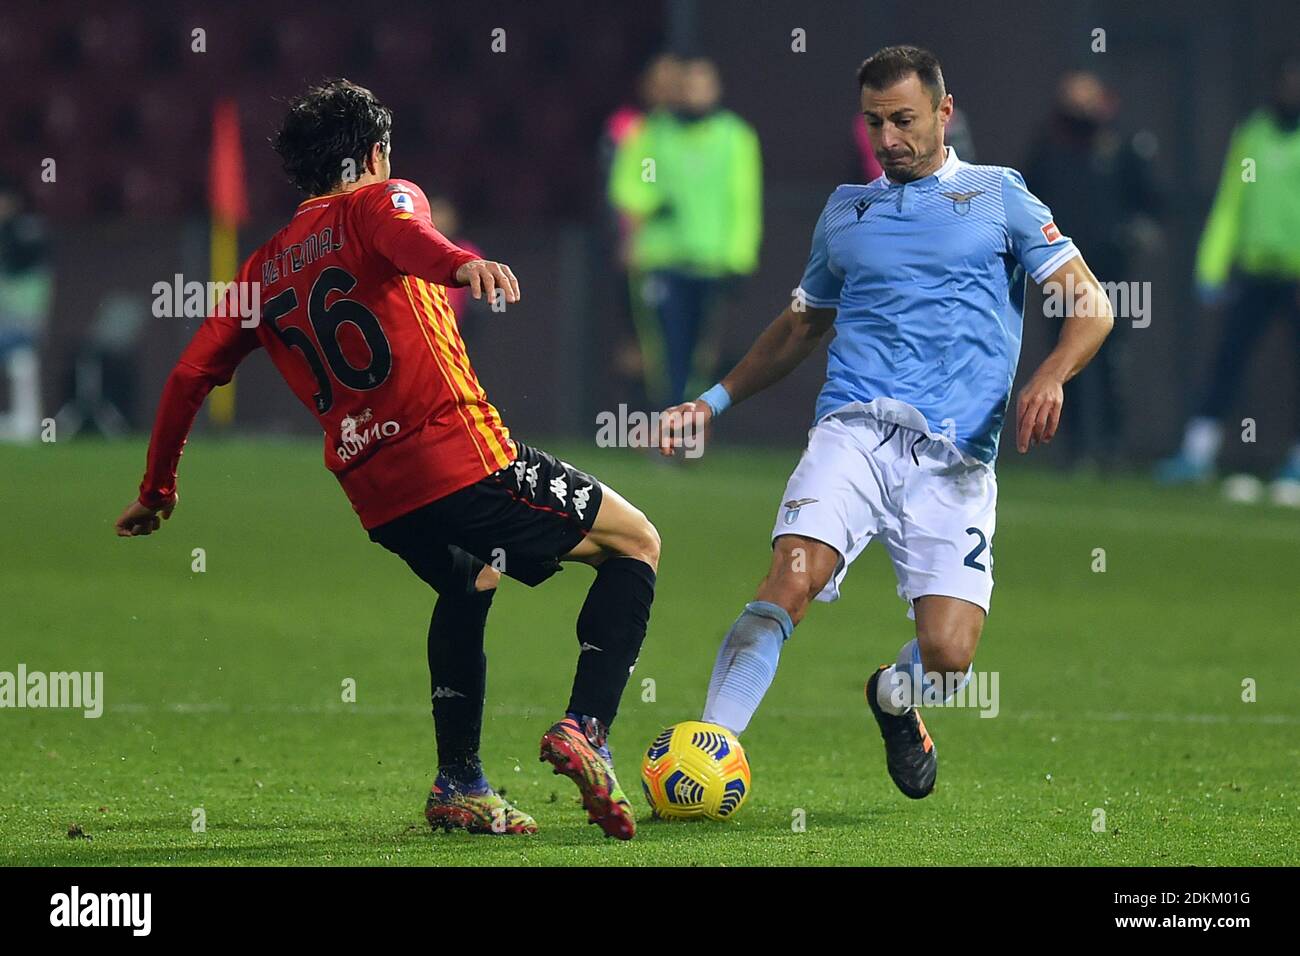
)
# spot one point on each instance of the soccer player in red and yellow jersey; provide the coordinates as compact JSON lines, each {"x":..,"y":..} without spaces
{"x":351,"y":306}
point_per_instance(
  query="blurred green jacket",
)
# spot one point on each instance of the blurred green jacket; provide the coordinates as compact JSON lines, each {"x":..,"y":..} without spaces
{"x":1255,"y":226}
{"x":694,"y":189}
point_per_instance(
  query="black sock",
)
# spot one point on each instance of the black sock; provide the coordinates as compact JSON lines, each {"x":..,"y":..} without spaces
{"x":611,"y":627}
{"x":458,"y":680}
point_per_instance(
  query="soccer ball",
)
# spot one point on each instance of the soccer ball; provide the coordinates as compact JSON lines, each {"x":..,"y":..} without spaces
{"x":695,"y":770}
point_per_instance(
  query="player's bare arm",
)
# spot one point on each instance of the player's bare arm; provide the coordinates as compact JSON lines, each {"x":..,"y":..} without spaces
{"x":779,"y":349}
{"x":1090,"y":319}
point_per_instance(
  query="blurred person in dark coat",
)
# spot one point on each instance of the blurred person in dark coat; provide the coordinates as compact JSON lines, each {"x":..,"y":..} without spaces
{"x":1101,"y":183}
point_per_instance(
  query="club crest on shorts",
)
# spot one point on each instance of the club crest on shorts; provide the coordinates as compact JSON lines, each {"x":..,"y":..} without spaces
{"x":792,"y":508}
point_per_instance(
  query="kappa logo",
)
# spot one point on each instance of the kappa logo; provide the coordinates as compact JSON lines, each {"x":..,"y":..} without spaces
{"x":442,"y":693}
{"x":793,"y":507}
{"x":580,"y":499}
{"x":961,"y":201}
{"x":525,"y":474}
{"x":591,"y":647}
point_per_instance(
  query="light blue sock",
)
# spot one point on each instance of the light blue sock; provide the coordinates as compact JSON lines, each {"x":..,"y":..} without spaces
{"x":746,"y":665}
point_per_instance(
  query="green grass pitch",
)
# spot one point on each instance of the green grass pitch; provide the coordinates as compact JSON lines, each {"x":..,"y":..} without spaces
{"x":1119,"y":691}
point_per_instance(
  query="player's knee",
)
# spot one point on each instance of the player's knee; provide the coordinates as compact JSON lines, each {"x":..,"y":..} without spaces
{"x":469,"y":575}
{"x":641,"y":542}
{"x":650,"y":543}
{"x":488,"y":578}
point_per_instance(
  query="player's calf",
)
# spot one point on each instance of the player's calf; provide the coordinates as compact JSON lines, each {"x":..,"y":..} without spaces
{"x":747,"y":661}
{"x":930,"y":668}
{"x":457,"y":665}
{"x":948,"y":631}
{"x":933,"y":666}
{"x":624,"y":547}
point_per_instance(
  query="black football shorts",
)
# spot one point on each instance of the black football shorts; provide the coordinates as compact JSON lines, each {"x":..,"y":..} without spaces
{"x":520,"y":520}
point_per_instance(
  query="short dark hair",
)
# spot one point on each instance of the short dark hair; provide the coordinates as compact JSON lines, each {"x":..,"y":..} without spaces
{"x":325,"y":127}
{"x":886,"y":67}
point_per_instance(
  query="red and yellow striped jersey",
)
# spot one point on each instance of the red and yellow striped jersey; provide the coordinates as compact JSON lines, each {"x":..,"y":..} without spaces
{"x":353,"y":312}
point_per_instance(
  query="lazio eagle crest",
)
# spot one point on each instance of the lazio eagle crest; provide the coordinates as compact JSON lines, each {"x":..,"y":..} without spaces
{"x":961,"y":201}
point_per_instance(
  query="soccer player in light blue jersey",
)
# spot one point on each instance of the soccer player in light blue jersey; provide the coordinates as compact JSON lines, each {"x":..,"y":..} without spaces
{"x":913,"y":272}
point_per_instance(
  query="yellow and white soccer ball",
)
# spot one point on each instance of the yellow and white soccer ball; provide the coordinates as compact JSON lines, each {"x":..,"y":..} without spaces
{"x":695,"y":770}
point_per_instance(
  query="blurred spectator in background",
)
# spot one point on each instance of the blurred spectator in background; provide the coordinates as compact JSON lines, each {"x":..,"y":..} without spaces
{"x":690,"y":181}
{"x":446,"y":219}
{"x":639,"y":353}
{"x":659,"y":88}
{"x":1101,"y":188}
{"x":1249,"y":261}
{"x":26,"y":283}
{"x":955,"y":134}
{"x":105,"y":368}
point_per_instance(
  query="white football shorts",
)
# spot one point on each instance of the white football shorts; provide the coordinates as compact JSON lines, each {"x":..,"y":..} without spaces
{"x":877,"y":471}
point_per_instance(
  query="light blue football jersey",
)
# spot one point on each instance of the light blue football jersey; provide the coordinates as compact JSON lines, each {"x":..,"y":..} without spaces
{"x":920,"y":274}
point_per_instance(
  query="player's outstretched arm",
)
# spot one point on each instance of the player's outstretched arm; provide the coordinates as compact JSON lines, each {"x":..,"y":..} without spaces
{"x":778,"y":350}
{"x":219,"y":345}
{"x":1088,"y":322}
